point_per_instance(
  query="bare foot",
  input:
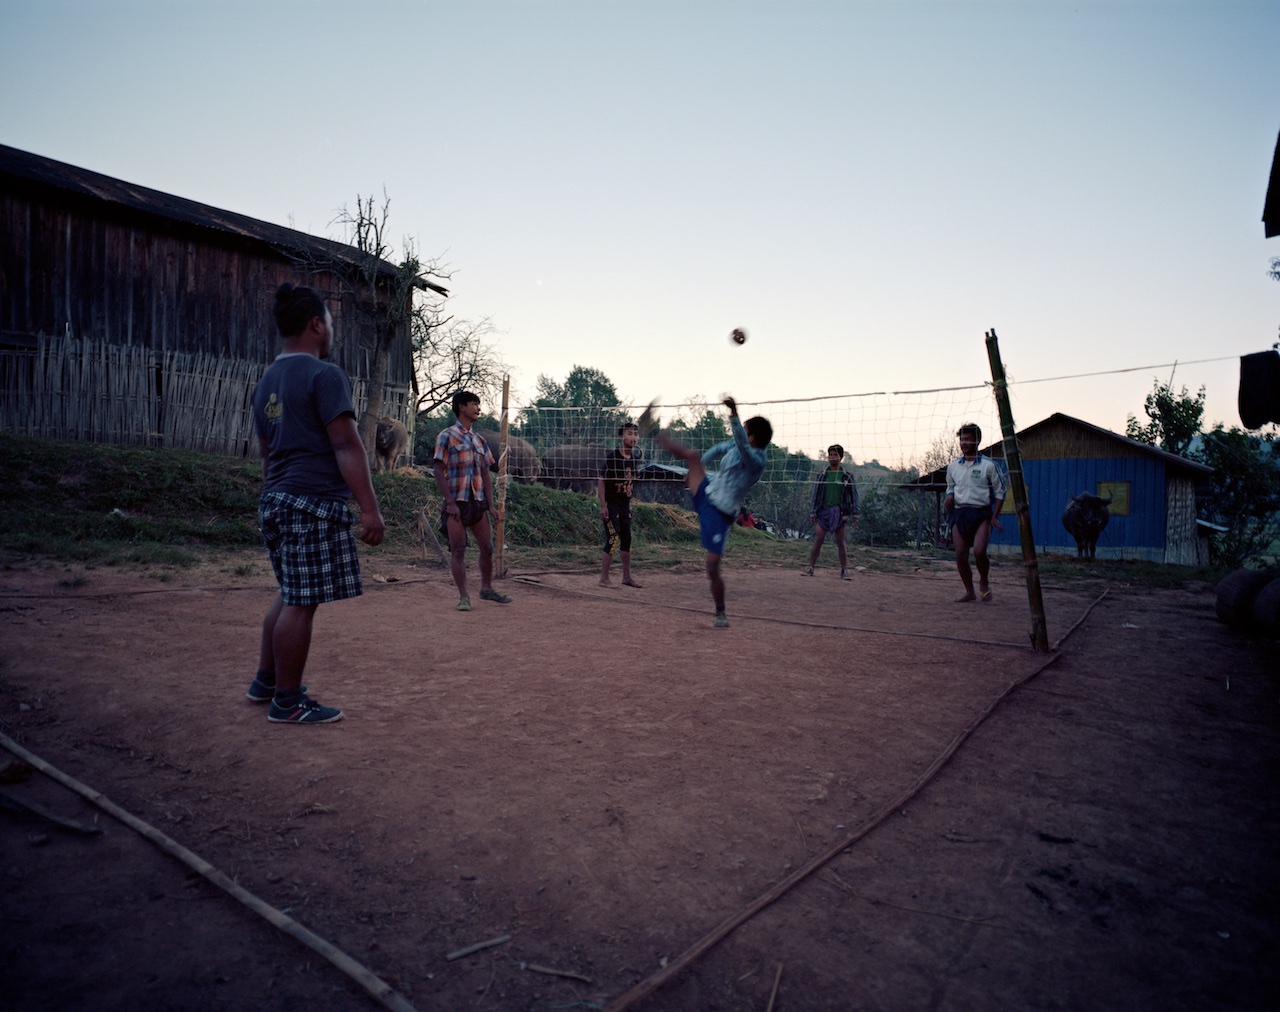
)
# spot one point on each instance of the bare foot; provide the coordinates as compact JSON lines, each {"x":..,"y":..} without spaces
{"x":966,"y":597}
{"x":630,"y":583}
{"x":606,"y":583}
{"x":648,"y":423}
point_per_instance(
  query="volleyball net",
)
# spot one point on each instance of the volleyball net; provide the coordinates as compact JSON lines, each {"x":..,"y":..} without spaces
{"x":899,"y":430}
{"x":889,"y":439}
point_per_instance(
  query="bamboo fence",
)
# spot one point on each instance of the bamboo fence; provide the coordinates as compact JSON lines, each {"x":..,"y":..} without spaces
{"x":67,"y":388}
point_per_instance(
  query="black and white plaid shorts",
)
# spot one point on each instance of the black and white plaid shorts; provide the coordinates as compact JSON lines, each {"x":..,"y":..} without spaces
{"x":312,"y":547}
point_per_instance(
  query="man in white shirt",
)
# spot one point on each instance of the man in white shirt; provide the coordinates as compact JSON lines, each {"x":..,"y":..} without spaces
{"x":975,"y":495}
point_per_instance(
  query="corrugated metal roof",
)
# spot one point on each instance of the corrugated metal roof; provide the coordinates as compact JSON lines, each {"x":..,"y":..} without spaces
{"x":46,"y":173}
{"x":937,"y":479}
{"x":1271,"y":204}
{"x":673,"y":470}
{"x":1170,"y":459}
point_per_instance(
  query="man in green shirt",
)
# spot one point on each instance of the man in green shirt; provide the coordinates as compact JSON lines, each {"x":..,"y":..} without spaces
{"x":835,"y":506}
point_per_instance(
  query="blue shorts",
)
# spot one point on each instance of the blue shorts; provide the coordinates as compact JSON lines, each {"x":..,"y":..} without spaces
{"x":715,"y":525}
{"x":830,"y":518}
{"x":312,"y":548}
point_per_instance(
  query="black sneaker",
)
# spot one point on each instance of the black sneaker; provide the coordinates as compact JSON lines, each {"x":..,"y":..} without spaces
{"x":261,"y":692}
{"x":305,"y":711}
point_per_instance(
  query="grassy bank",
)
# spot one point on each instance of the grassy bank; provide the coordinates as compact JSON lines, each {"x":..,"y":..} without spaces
{"x":109,"y":505}
{"x":94,"y":504}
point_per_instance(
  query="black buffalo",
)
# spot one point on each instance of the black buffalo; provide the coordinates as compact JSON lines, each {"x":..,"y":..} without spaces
{"x":1086,"y":517}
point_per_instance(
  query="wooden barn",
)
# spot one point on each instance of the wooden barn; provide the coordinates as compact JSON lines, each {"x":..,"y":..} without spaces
{"x":1153,"y":508}
{"x":128,"y":315}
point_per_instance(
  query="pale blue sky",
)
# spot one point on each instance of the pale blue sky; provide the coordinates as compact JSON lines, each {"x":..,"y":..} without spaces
{"x":867,"y":187}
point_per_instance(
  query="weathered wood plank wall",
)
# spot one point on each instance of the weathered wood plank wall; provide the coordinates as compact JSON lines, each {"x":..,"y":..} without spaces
{"x":120,"y":278}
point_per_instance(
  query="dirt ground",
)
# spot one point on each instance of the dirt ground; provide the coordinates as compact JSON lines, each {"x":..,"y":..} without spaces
{"x":601,"y":778}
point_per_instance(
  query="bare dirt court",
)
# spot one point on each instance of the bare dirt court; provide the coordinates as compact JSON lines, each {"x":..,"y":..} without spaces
{"x":604,"y":778}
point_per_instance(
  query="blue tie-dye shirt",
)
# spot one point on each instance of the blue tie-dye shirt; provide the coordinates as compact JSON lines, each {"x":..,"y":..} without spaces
{"x":741,"y":468}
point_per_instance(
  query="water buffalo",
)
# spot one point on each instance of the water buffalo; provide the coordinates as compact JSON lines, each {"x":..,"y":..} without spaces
{"x":522,"y":458}
{"x":1086,"y":517}
{"x":573,"y":467}
{"x":392,"y":440}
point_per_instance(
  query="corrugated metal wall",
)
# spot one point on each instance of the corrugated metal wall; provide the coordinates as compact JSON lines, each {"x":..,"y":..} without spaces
{"x":1052,"y":483}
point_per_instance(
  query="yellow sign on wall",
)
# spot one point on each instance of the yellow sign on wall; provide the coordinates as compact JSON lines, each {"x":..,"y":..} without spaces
{"x":1119,"y":492}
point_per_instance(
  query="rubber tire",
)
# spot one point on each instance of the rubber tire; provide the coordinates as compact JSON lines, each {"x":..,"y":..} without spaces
{"x":1266,"y":609}
{"x":1236,"y":592}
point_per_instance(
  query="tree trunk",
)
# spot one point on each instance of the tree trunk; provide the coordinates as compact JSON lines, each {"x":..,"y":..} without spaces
{"x":373,"y":397}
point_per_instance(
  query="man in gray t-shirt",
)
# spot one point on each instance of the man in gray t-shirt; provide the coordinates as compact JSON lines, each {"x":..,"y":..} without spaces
{"x":313,"y":463}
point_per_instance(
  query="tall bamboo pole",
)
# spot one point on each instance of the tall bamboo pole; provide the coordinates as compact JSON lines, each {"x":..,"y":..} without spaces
{"x":500,"y":534}
{"x":1013,"y":459}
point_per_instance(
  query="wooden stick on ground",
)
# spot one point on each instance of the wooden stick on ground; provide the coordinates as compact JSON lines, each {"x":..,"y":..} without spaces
{"x":9,"y":802}
{"x":424,"y":530}
{"x":468,"y":950}
{"x":552,"y":972}
{"x":374,"y":985}
{"x":774,"y":993}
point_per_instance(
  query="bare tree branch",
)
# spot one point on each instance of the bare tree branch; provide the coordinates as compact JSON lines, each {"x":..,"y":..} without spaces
{"x":388,"y":295}
{"x":451,"y":355}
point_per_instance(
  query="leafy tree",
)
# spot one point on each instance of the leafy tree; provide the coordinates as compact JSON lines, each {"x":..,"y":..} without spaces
{"x":890,"y":516}
{"x":583,"y":409}
{"x":1174,"y":419}
{"x":1275,"y":268}
{"x":427,"y":426}
{"x":1244,"y":493}
{"x":707,"y":430}
{"x":782,"y":495}
{"x":582,"y":388}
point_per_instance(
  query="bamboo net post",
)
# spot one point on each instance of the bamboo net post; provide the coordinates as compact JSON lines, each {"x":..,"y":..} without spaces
{"x":500,"y":495}
{"x":1013,"y":460}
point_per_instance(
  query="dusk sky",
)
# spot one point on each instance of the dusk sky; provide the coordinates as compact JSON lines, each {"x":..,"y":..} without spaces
{"x":866,"y":187}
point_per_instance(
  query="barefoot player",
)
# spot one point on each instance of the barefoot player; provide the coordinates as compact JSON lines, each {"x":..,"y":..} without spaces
{"x":975,"y":492}
{"x":613,"y":487}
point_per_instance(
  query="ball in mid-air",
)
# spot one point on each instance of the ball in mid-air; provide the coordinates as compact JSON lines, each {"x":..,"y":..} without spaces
{"x":738,"y":336}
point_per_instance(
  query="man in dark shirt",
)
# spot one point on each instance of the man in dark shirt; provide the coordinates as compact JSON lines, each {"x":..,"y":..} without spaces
{"x":313,"y":462}
{"x":617,"y":478}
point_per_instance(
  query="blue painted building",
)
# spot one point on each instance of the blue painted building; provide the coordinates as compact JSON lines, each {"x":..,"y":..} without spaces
{"x":1153,"y":508}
